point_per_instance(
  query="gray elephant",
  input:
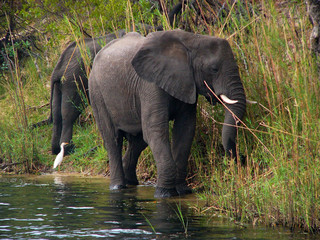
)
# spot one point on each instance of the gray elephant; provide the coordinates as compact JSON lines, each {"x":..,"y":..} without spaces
{"x":151,"y":80}
{"x":69,"y":87}
{"x":69,"y":84}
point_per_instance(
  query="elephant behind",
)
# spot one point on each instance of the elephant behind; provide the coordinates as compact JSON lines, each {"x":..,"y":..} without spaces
{"x":69,"y":85}
{"x":151,"y":80}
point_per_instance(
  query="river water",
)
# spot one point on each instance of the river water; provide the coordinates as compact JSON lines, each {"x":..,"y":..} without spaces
{"x":58,"y":206}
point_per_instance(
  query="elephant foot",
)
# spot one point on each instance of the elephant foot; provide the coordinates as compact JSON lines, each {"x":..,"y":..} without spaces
{"x":117,"y":187}
{"x":165,"y":192}
{"x":132,"y":182}
{"x":183,"y":189}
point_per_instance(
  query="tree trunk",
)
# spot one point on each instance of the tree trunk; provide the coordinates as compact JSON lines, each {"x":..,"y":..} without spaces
{"x":313,"y":8}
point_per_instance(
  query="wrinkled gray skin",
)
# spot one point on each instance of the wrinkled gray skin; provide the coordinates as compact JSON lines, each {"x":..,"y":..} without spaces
{"x":69,"y":84}
{"x":151,"y":80}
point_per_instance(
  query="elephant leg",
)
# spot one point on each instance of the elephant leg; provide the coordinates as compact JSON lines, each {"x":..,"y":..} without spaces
{"x":182,"y":136}
{"x":156,"y":134}
{"x":70,"y":111}
{"x":166,"y":168}
{"x":113,"y":145}
{"x":112,"y":140}
{"x":56,"y":119}
{"x":136,"y":145}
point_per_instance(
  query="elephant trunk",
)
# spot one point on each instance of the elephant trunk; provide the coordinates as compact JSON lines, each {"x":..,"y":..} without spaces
{"x":232,"y":114}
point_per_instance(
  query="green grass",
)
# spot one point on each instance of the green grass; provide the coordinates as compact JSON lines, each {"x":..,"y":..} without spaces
{"x":184,"y":221}
{"x":279,"y":183}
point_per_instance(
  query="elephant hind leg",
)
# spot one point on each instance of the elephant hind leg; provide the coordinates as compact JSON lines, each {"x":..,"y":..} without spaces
{"x":56,"y":118}
{"x":136,"y":145}
{"x":112,"y":140}
{"x":114,"y":149}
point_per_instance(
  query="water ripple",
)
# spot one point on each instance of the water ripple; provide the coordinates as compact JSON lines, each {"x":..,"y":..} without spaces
{"x":80,"y":208}
{"x":22,"y":219}
{"x":4,"y":204}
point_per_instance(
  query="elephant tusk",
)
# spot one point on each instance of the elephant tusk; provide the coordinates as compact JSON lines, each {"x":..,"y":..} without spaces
{"x":251,"y":102}
{"x":227,"y":100}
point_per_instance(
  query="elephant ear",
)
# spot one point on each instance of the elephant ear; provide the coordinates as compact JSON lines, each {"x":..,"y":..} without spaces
{"x":164,"y":60}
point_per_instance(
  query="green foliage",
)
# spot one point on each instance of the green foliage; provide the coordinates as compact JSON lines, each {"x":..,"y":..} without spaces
{"x":91,"y":17}
{"x":94,"y":18}
{"x":145,"y":13}
{"x":9,"y":52}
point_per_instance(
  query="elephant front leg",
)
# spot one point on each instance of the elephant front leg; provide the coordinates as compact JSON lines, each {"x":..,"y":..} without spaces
{"x":156,"y":134}
{"x":166,"y":169}
{"x":182,"y":136}
{"x":136,"y":145}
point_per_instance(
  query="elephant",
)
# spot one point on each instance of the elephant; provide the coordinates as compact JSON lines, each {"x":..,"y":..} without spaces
{"x":138,"y":84}
{"x":69,"y":84}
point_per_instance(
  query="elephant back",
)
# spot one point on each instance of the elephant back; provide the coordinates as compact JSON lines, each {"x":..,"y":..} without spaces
{"x":119,"y":51}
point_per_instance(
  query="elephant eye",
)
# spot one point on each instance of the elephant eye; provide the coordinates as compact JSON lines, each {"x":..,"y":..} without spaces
{"x":213,"y":70}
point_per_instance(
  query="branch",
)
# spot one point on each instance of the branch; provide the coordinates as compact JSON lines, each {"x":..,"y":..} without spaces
{"x":239,"y":120}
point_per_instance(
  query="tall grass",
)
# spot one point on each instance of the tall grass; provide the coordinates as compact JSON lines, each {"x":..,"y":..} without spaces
{"x":17,"y":149}
{"x":279,"y":182}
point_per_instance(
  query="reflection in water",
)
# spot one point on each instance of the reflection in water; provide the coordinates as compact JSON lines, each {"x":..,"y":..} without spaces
{"x":58,"y":180}
{"x":73,"y":207}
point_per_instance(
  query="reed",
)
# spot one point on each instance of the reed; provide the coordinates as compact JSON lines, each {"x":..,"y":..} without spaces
{"x":278,"y":183}
{"x":184,"y":221}
{"x":18,"y":150}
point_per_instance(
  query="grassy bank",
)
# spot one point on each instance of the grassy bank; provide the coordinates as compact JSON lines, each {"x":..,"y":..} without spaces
{"x":279,"y":182}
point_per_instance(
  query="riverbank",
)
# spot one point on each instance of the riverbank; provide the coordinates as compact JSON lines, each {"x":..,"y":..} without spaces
{"x":279,"y":182}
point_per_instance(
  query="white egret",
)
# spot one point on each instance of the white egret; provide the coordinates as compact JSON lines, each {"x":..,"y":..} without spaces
{"x":59,"y":157}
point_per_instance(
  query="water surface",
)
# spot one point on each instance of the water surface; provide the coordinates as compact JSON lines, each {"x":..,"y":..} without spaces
{"x":58,"y":206}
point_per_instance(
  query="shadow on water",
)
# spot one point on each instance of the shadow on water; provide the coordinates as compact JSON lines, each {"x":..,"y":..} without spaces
{"x":75,"y":207}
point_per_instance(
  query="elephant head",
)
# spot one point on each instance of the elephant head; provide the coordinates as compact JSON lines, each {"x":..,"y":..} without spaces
{"x":180,"y":63}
